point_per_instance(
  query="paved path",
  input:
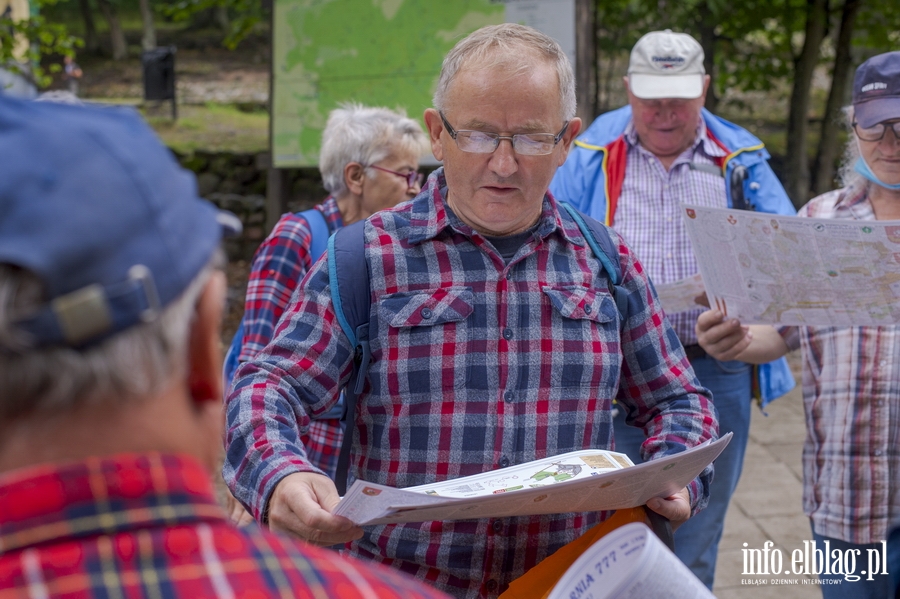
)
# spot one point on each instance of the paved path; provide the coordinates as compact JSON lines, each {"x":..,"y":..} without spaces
{"x":767,"y":504}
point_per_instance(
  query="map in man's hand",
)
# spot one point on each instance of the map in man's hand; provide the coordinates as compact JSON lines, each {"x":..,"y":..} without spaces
{"x":771,"y":269}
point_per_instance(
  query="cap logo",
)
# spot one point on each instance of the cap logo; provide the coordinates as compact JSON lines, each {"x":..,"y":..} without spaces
{"x":668,"y":62}
{"x":873,"y":86}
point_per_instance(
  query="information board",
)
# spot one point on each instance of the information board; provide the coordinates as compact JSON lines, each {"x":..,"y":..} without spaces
{"x":376,"y":52}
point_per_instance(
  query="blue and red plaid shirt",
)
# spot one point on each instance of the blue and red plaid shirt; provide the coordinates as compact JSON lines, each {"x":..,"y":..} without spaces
{"x":280,"y":263}
{"x":278,"y":266}
{"x":476,"y":365}
{"x":148,"y":525}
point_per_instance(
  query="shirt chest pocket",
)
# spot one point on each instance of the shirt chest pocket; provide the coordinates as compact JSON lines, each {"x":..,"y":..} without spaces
{"x":430,"y":308}
{"x":426,"y":337}
{"x":585,"y":322}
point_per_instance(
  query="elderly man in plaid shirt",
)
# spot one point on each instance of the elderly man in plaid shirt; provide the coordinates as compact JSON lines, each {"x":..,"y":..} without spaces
{"x":494,"y":339}
{"x":111,"y":301}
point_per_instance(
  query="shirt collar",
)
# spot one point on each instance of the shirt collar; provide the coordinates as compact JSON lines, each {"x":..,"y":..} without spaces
{"x":430,"y":215}
{"x":854,"y":194}
{"x":103,"y":495}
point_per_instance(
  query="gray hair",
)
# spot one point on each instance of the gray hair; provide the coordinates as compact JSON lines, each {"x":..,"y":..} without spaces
{"x":846,"y":175}
{"x":364,"y":134}
{"x":515,"y":48}
{"x":134,"y":364}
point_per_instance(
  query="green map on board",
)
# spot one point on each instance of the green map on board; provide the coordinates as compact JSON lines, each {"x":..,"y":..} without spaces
{"x":376,"y":52}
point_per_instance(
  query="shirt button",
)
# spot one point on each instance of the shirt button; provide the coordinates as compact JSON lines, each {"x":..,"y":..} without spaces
{"x":878,"y":452}
{"x":509,"y":275}
{"x":426,"y":313}
{"x":883,"y":363}
{"x":588,"y":309}
{"x":508,"y":396}
{"x":504,"y":462}
{"x":491,"y":585}
{"x":497,"y":526}
{"x":507,"y":334}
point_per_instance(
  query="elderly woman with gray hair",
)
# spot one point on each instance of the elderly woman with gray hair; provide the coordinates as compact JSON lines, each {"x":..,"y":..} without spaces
{"x":369,"y":161}
{"x":851,"y":458}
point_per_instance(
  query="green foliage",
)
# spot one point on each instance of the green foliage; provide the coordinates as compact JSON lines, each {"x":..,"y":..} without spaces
{"x":877,"y":28}
{"x":44,"y":39}
{"x":249,"y":13}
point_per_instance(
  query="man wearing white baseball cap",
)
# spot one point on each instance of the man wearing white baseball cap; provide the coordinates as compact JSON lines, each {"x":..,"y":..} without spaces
{"x":633,"y":168}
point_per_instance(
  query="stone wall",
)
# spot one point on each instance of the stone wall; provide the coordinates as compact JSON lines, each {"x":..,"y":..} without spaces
{"x":237,"y":183}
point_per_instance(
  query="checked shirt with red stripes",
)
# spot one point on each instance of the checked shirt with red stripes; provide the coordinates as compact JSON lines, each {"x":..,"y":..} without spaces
{"x":476,"y":364}
{"x":148,"y":525}
{"x":280,"y":263}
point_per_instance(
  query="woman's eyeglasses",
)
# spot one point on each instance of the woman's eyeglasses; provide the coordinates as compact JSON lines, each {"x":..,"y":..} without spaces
{"x":876,"y":132}
{"x":413,"y":178}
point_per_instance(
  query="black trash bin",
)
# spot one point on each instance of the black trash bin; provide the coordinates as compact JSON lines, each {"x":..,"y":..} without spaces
{"x":159,"y":74}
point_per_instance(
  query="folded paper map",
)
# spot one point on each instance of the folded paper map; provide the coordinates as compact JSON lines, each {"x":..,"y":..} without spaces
{"x":579,"y":481}
{"x":770,"y":269}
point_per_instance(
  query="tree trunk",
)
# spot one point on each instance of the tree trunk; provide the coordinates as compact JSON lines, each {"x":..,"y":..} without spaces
{"x":707,"y":27}
{"x":148,"y":40}
{"x":91,"y":40}
{"x":117,"y":36}
{"x":828,"y":151}
{"x":220,"y":16}
{"x":797,"y":159}
{"x":586,"y":60}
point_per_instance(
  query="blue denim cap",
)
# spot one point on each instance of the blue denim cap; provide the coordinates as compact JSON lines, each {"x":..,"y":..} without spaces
{"x":876,"y":90}
{"x":99,"y":210}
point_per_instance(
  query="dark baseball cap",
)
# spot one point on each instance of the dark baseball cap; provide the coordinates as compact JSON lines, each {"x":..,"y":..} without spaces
{"x":99,"y":210}
{"x":876,"y":89}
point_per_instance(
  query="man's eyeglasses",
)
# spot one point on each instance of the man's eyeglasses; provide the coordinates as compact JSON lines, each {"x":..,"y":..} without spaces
{"x":413,"y":178}
{"x":482,"y":142}
{"x":875,"y":132}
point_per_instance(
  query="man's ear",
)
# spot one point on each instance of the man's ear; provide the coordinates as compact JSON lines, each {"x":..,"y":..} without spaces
{"x":205,"y":382}
{"x":568,"y":137}
{"x":354,"y":176}
{"x":435,"y":127}
{"x":205,"y":379}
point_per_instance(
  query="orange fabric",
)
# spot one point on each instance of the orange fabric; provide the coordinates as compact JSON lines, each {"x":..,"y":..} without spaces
{"x":539,"y":581}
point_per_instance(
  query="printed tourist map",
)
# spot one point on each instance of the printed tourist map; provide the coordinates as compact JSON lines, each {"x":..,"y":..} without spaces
{"x":764,"y":268}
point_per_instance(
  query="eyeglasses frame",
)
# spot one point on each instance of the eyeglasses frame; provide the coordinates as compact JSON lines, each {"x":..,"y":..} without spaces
{"x":413,"y":178}
{"x":892,"y":126}
{"x":498,"y":138}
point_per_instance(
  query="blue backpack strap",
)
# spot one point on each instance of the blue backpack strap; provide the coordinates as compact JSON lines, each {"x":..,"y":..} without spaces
{"x":351,"y":294}
{"x":598,"y":238}
{"x":318,"y":228}
{"x":318,"y":243}
{"x":231,"y":356}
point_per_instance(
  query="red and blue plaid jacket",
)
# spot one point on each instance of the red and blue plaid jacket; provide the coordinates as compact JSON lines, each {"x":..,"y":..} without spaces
{"x":476,"y":364}
{"x":148,"y":525}
{"x":280,"y":263}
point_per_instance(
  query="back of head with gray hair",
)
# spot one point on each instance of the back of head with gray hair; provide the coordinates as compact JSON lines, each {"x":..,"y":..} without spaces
{"x":364,"y":134}
{"x":137,"y":363}
{"x":514,"y":48}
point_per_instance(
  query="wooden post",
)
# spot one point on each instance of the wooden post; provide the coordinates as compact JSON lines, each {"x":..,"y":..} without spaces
{"x":277,"y":189}
{"x":586,"y":60}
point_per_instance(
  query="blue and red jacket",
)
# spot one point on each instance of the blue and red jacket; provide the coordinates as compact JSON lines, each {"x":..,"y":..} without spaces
{"x":591,"y":180}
